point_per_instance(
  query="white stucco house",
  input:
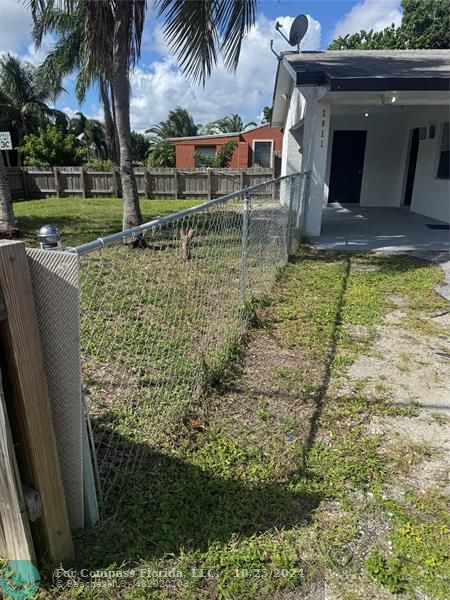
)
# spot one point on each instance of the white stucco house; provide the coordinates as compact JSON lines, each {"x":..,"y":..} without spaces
{"x":372,"y":127}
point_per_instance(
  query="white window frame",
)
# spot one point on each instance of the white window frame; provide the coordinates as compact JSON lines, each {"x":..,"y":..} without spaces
{"x":271,"y":152}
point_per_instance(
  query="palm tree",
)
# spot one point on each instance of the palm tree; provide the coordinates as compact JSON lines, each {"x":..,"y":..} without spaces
{"x":92,"y":131}
{"x":24,"y":97}
{"x":179,"y":123}
{"x":7,"y":221}
{"x":229,"y":124}
{"x":196,"y":33}
{"x":161,"y":154}
{"x":71,"y":53}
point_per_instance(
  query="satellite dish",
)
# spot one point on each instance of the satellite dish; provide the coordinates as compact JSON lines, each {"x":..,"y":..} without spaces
{"x":298,"y":30}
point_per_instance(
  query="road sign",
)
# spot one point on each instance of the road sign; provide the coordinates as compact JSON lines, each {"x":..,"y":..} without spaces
{"x":5,"y":140}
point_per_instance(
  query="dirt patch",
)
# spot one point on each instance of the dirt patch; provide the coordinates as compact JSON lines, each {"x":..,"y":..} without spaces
{"x":406,"y":366}
{"x":422,"y":445}
{"x":261,"y":404}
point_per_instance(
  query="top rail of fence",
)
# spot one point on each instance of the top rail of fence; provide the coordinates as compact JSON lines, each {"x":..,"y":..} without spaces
{"x":134,"y":232}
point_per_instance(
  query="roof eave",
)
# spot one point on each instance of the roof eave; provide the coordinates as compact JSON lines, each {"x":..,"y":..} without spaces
{"x":388,"y":84}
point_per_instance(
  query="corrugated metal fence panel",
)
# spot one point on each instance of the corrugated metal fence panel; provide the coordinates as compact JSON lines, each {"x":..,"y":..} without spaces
{"x":56,"y":293}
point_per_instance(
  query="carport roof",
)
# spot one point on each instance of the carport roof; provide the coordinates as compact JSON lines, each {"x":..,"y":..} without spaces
{"x":372,"y":70}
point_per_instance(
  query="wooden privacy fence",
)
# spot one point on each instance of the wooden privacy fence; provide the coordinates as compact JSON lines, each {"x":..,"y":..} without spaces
{"x":39,"y":182}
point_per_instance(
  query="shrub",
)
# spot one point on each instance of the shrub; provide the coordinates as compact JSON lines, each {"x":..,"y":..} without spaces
{"x":52,"y":147}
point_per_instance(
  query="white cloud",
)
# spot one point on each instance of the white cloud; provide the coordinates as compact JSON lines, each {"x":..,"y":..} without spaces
{"x":369,"y":14}
{"x":36,"y":57}
{"x":159,"y":87}
{"x":15,"y":33}
{"x":15,"y":26}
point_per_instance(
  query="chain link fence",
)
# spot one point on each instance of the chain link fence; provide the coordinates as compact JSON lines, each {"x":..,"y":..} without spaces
{"x":163,"y":313}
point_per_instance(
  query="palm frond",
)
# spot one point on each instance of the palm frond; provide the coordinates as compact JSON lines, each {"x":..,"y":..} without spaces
{"x":191,"y":32}
{"x":236,"y":18}
{"x":198,"y":30}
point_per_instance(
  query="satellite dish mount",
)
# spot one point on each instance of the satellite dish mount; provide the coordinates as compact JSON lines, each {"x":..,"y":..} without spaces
{"x":298,"y":31}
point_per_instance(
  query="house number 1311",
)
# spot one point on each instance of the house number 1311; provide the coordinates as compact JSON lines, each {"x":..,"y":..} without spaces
{"x":322,"y":131}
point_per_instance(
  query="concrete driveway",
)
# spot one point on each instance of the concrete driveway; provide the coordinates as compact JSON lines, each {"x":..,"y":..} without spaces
{"x":349,"y":227}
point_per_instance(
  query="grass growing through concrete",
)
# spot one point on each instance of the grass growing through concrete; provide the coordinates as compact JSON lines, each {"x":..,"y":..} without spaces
{"x":274,"y":483}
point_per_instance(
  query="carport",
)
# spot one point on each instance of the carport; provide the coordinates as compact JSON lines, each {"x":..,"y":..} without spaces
{"x":352,"y":228}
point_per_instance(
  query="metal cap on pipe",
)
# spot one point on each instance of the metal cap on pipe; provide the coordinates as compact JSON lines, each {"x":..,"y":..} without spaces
{"x":49,"y":237}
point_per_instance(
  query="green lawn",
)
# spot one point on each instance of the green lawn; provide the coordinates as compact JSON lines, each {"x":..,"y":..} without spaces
{"x":231,"y":467}
{"x":81,"y":220}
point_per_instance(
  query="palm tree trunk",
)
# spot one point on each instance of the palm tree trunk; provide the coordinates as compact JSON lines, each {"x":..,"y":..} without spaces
{"x":7,"y":221}
{"x":116,"y":137}
{"x":110,"y":128}
{"x":21,"y":133}
{"x":121,"y":86}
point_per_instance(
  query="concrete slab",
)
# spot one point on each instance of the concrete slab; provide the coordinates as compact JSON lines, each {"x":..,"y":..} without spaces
{"x":352,"y":228}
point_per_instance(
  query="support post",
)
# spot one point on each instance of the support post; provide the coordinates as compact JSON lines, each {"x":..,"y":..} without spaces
{"x":317,"y":134}
{"x":56,"y":175}
{"x":83,"y":183}
{"x":150,"y":183}
{"x":29,"y":406}
{"x":242,"y":179}
{"x":244,"y":253}
{"x":146,"y":183}
{"x":175,"y":184}
{"x":26,"y":192}
{"x":209,"y":183}
{"x":115,"y":180}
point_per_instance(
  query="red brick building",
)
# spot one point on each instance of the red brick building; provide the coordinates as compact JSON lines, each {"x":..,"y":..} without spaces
{"x":257,"y":146}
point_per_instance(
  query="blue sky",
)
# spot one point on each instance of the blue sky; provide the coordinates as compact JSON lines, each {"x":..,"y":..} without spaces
{"x":157,"y":85}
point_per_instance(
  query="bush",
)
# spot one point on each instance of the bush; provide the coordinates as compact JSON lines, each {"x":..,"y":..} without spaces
{"x":221,"y":160}
{"x":52,"y":147}
{"x":100,"y":165}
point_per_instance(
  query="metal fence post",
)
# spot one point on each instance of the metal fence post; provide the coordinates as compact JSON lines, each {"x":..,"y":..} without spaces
{"x":244,"y":255}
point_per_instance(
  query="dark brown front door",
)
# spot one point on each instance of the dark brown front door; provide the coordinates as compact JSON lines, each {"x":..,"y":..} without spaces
{"x":347,"y":165}
{"x":412,"y":164}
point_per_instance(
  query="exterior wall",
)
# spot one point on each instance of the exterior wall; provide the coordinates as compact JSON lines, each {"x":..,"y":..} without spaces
{"x":431,"y":196}
{"x":185,"y":149}
{"x":292,"y":153}
{"x":242,"y":156}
